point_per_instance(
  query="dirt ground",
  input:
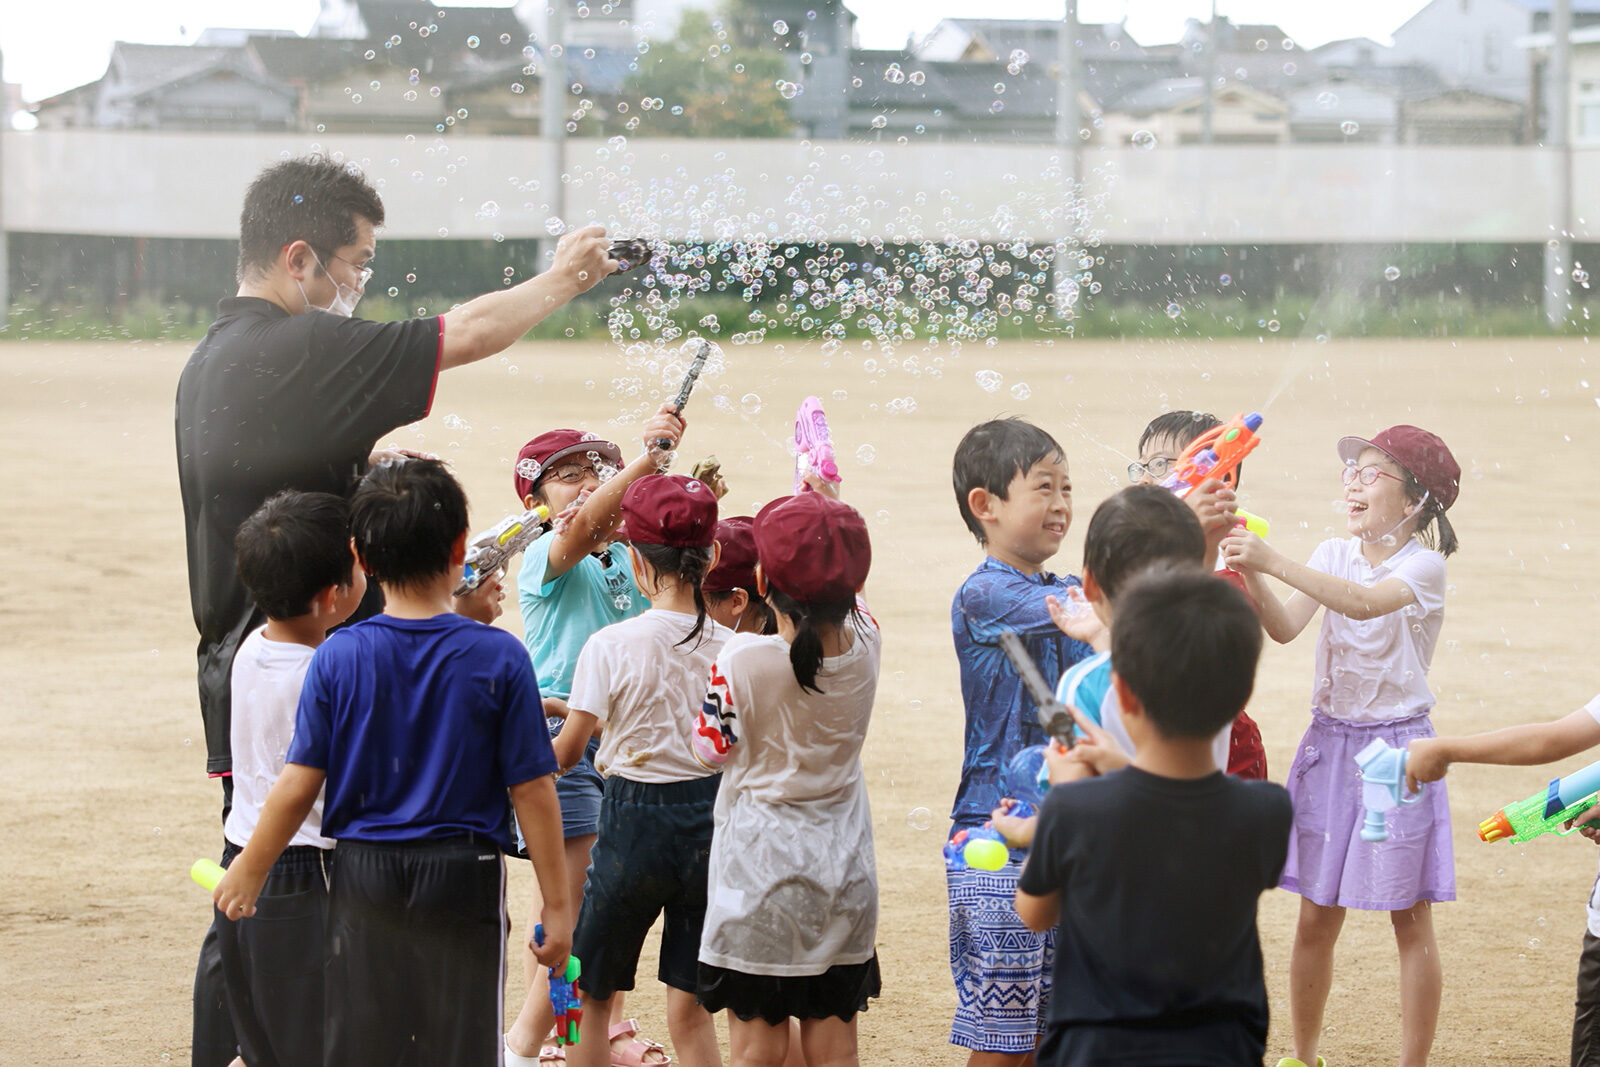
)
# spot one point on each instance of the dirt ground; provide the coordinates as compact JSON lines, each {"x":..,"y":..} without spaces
{"x":101,"y":754}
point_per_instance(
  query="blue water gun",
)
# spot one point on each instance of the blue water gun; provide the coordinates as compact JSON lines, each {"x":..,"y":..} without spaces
{"x":564,"y":1000}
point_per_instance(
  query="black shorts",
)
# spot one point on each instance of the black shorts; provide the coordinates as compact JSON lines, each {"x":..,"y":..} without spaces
{"x":272,"y":962}
{"x":416,"y":954}
{"x":839,"y":992}
{"x":653,"y":855}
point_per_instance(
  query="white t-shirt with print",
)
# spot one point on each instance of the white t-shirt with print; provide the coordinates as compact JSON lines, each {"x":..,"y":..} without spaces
{"x":1375,"y":670}
{"x":793,"y":887}
{"x":645,"y":689}
{"x":267,"y":679}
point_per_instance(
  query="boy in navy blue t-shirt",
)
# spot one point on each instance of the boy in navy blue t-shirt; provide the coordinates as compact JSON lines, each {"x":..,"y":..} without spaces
{"x":419,"y":721}
{"x":1150,"y":875}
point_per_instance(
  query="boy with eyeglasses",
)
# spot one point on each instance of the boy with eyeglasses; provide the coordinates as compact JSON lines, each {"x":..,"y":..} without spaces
{"x":575,"y":579}
{"x":1213,"y":503}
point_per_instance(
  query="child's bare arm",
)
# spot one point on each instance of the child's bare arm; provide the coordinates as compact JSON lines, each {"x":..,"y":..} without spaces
{"x":1245,"y":552}
{"x":1038,"y":913}
{"x":596,"y":521}
{"x":574,"y":738}
{"x":1281,"y":621}
{"x":286,"y":807}
{"x":539,"y":815}
{"x":1429,"y":758}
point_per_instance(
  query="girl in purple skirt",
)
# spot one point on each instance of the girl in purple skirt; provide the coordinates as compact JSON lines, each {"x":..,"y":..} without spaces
{"x":1384,"y":590}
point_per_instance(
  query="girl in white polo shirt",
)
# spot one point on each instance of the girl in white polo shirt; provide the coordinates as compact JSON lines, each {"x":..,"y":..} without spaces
{"x":1384,"y":591}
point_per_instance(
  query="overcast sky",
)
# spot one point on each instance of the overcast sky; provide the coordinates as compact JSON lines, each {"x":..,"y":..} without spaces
{"x":49,"y":47}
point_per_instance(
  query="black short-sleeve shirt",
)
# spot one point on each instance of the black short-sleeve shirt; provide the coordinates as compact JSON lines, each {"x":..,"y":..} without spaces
{"x":272,"y":401}
{"x":1157,"y":956}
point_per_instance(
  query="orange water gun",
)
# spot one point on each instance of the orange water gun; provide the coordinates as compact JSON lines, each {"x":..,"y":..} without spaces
{"x":1216,"y":453}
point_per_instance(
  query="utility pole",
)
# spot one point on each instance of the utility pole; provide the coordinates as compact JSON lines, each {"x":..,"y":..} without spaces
{"x":5,"y":251}
{"x":553,"y":109}
{"x":1068,"y":142}
{"x":1558,"y":248}
{"x":1210,"y":76}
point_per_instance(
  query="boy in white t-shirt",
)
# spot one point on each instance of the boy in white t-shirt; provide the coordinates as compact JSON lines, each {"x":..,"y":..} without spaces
{"x":295,"y":559}
{"x":1534,"y":743}
{"x":641,"y":679}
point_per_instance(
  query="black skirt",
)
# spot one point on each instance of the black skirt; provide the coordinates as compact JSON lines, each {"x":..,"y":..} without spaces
{"x":841,"y":991}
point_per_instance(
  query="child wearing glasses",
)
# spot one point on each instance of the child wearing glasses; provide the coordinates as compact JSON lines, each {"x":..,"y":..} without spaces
{"x":575,"y":579}
{"x":1384,"y":590}
{"x":1212,"y":502}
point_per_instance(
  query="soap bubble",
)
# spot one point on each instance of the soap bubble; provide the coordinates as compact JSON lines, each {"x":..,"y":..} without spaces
{"x":488,"y":210}
{"x":1273,"y":325}
{"x":622,"y":602}
{"x":1225,"y":280}
{"x":751,"y":403}
{"x":865,"y":455}
{"x":916,"y":77}
{"x":1349,"y":127}
{"x":1143,"y":140}
{"x":1392,"y":273}
{"x":919,"y":818}
{"x":1174,"y":309}
{"x":554,"y":226}
{"x":1018,"y":56}
{"x":472,"y":42}
{"x":988,"y":380}
{"x":879,"y":122}
{"x":780,"y":27}
{"x":1021,"y":391}
{"x":1327,"y":100}
{"x":394,"y":290}
{"x":893,"y":74}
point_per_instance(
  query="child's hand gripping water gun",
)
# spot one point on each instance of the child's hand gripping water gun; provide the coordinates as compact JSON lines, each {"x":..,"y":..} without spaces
{"x":564,"y":1000}
{"x":491,"y":550}
{"x":1215,"y":454}
{"x":1547,"y":811}
{"x":813,"y":445}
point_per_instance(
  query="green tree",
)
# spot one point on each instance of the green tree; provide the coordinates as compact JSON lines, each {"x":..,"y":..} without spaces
{"x":706,"y":91}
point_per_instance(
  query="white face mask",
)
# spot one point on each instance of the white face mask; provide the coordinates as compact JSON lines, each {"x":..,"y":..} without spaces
{"x":342,"y":305}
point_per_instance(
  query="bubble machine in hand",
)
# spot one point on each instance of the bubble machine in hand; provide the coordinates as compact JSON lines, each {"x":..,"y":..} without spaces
{"x":696,"y":365}
{"x":1383,"y":787}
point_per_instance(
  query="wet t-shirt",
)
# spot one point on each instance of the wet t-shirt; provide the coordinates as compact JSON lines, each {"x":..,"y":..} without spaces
{"x":272,"y":401}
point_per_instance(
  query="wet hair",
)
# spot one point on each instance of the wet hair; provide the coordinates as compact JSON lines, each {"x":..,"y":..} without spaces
{"x":310,"y":199}
{"x":689,"y":566}
{"x":291,"y":548}
{"x":1187,"y":645}
{"x":1433,"y":526}
{"x":769,"y":622}
{"x":805,"y":652}
{"x":1181,"y":428}
{"x":405,"y":518}
{"x":1137,"y":527}
{"x":990,"y":455}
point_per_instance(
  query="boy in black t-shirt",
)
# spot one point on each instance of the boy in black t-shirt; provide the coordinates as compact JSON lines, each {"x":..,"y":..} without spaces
{"x":1153,"y":872}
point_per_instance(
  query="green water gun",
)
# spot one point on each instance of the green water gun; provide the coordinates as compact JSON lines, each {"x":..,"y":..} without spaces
{"x":1547,"y":811}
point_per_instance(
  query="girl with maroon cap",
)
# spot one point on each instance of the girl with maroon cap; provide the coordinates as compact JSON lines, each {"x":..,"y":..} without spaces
{"x":1383,"y":588}
{"x":573,"y":581}
{"x":793,"y":895}
{"x":639,"y":680}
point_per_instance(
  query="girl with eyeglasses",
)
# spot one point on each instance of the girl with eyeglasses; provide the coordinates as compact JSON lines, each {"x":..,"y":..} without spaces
{"x":1383,"y":588}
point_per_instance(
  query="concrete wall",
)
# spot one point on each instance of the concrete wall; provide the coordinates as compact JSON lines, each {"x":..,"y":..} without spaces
{"x":190,"y":185}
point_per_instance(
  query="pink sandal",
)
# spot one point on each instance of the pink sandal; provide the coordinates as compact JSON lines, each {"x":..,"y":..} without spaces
{"x":633,"y":1054}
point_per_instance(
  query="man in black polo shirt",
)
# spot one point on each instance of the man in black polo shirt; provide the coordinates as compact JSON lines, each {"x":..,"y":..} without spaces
{"x":289,"y":391}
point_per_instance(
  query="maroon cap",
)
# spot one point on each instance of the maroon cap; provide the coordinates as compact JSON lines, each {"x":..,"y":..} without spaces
{"x":813,"y":547}
{"x":1421,"y":454}
{"x":736,"y":567}
{"x":539,"y":454}
{"x":670,"y":509}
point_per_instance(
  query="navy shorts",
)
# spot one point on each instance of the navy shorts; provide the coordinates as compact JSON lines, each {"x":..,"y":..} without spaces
{"x":653,"y":855}
{"x":578,"y":790}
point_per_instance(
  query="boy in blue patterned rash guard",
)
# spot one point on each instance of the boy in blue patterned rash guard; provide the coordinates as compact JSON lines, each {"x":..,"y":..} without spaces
{"x":1015,"y":495}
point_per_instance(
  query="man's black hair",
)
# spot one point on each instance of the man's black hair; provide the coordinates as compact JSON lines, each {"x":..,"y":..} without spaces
{"x":991,"y":454}
{"x":1187,"y":645}
{"x":1141,"y":525}
{"x":291,"y":548}
{"x":1182,"y":427}
{"x":310,"y":199}
{"x":405,"y":517}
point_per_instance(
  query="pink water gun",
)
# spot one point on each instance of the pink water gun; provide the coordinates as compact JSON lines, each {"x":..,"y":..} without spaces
{"x":813,"y":445}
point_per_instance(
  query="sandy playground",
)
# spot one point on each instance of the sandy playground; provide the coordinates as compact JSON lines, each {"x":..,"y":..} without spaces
{"x":101,"y":757}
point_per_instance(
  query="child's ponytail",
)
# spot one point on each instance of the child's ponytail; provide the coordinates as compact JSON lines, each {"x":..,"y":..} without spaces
{"x":805,"y":651}
{"x":687,"y":566}
{"x":1433,"y":527}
